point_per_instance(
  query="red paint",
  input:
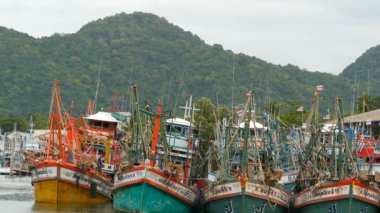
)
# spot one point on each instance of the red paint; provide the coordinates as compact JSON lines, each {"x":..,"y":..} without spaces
{"x":155,"y":134}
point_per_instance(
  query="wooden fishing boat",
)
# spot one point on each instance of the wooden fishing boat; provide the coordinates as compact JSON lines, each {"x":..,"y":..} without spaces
{"x":77,"y":167}
{"x":161,"y":182}
{"x":253,"y":197}
{"x":349,"y":195}
{"x":243,"y":188}
{"x":56,"y":182}
{"x":146,"y":189}
{"x":329,"y":180}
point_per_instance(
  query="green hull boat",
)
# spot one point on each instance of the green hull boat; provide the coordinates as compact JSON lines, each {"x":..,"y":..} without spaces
{"x":339,"y":196}
{"x":232,"y":198}
{"x":149,"y":190}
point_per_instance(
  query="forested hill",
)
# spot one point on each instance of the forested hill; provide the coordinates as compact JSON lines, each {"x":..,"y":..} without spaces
{"x":165,"y":62}
{"x":366,"y":68}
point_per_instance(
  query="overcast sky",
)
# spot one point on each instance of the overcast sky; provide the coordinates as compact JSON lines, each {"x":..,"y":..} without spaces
{"x":318,"y":35}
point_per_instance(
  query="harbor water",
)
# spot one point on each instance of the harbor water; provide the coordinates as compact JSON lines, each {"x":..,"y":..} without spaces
{"x":16,"y":196}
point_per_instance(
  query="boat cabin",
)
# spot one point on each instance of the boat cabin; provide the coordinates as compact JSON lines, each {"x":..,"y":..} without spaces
{"x":178,"y":133}
{"x":102,"y":122}
{"x":102,"y":129}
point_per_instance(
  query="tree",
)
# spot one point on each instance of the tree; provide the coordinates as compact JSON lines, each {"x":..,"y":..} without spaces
{"x":365,"y":103}
{"x":292,"y":116}
{"x":205,"y":119}
{"x":274,"y":107}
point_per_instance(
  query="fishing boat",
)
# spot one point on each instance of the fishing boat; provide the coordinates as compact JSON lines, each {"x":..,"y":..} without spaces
{"x":329,"y":180}
{"x":156,"y":177}
{"x":76,"y":167}
{"x":247,"y":179}
{"x":368,"y":154}
{"x":282,"y":143}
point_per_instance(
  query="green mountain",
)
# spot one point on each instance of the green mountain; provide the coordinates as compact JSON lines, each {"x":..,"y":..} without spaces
{"x":366,"y":68}
{"x":165,"y":62}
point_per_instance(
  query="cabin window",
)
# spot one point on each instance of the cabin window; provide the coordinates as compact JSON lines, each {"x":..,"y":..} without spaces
{"x":168,"y":128}
{"x":174,"y":129}
{"x":98,"y":124}
{"x":106,"y":125}
{"x":186,"y":131}
{"x":177,"y":129}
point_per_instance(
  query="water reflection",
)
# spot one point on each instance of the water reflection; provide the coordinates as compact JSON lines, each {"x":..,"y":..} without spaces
{"x":47,"y":207}
{"x":17,"y":196}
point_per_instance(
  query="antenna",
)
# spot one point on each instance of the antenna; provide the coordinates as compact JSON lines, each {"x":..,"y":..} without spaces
{"x":368,"y":83}
{"x":251,"y":80}
{"x":179,"y":89}
{"x":353,"y":101}
{"x":97,"y":86}
{"x":189,"y":109}
{"x":267,"y":89}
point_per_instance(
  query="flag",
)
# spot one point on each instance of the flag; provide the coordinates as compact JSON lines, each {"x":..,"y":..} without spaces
{"x":320,"y":88}
{"x":300,"y":109}
{"x":240,"y":113}
{"x":228,"y":208}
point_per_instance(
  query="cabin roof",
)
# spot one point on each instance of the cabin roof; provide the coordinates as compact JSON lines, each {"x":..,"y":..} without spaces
{"x":329,"y":127}
{"x":252,"y":125}
{"x":179,"y":121}
{"x":102,"y":116}
{"x":363,"y":117}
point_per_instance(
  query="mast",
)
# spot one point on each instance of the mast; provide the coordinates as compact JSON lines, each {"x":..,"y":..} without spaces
{"x":244,"y":161}
{"x":55,"y":122}
{"x":136,"y":125}
{"x":233,"y":82}
{"x":89,"y":107}
{"x":12,"y":159}
{"x":340,"y":137}
{"x":155,"y":134}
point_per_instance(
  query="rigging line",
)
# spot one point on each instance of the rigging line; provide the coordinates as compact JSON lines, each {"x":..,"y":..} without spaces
{"x":368,"y":82}
{"x":251,"y":79}
{"x":51,"y":106}
{"x":179,"y":89}
{"x":97,"y":85}
{"x":239,"y":121}
{"x":233,"y":82}
{"x":169,"y":91}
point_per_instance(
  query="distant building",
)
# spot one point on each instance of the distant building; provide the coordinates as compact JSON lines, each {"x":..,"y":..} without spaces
{"x":24,"y":141}
{"x":367,"y":123}
{"x":2,"y":141}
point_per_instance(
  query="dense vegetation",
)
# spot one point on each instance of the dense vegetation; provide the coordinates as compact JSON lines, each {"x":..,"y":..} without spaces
{"x":165,"y":62}
{"x":366,"y":70}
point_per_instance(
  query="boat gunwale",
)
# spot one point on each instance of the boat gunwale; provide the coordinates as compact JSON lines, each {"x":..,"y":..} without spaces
{"x":144,"y":179}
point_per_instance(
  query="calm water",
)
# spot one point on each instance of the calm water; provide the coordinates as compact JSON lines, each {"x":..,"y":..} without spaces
{"x":16,"y":196}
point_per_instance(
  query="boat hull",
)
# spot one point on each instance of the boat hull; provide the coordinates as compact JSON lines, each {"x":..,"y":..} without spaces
{"x":230,"y":197}
{"x":143,"y":190}
{"x":342,"y":205}
{"x":59,"y":184}
{"x":340,"y":196}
